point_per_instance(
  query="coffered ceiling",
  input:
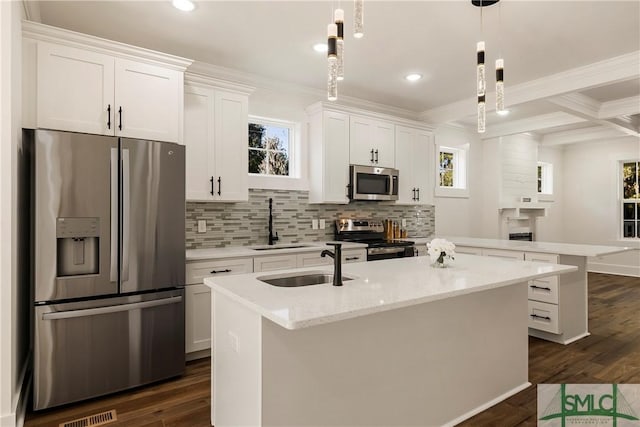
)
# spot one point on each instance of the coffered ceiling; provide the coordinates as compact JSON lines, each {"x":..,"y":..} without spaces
{"x":549,"y":47}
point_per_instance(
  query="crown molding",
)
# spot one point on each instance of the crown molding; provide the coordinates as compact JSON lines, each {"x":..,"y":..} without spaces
{"x":612,"y":70}
{"x":532,"y":124}
{"x":205,"y":81}
{"x":274,"y":85}
{"x":620,"y":107}
{"x":47,"y":33}
{"x":580,"y":135}
{"x":32,"y":10}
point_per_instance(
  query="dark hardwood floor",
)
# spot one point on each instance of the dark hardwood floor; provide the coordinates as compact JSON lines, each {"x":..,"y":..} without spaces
{"x":610,"y":354}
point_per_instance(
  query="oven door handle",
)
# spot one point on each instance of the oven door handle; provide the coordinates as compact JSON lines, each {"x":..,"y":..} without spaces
{"x":392,"y":250}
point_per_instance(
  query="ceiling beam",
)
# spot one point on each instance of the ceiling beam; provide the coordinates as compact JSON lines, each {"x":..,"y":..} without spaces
{"x":531,"y":124}
{"x":620,"y":107}
{"x":591,"y":133}
{"x":613,"y":70}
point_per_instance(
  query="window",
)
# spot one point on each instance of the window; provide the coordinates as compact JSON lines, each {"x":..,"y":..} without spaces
{"x":452,"y":168}
{"x":545,"y":178}
{"x":630,"y":200}
{"x":270,"y":147}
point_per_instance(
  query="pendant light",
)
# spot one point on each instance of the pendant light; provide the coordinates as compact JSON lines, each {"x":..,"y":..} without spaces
{"x":500,"y":86}
{"x":482,"y":114}
{"x":339,"y":18}
{"x":358,"y":19}
{"x":481,"y":78}
{"x":332,"y":62}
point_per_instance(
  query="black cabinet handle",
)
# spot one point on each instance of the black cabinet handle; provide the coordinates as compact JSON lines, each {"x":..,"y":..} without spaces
{"x":376,"y":156}
{"x":219,"y":186}
{"x":349,"y":190}
{"x":109,"y":116}
{"x":211,"y":181}
{"x":120,"y":115}
{"x":547,"y":318}
{"x":226,"y":270}
{"x":540,"y":287}
{"x":418,"y":193}
{"x":351,"y":258}
{"x":414,"y":194}
{"x":372,"y":155}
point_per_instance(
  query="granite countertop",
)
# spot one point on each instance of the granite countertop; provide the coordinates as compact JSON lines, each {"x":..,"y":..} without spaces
{"x":376,"y":286}
{"x":251,"y":251}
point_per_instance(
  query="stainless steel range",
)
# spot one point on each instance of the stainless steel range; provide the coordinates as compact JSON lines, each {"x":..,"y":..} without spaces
{"x":372,"y":233}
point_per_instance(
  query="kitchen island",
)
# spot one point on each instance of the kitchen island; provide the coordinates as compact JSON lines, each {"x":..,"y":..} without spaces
{"x":402,"y":343}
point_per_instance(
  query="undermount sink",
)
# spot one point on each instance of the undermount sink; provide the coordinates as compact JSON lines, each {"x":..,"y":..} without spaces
{"x":300,"y":279}
{"x":273,"y":248}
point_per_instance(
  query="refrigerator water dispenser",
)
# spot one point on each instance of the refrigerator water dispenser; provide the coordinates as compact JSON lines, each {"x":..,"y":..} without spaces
{"x":78,"y":245}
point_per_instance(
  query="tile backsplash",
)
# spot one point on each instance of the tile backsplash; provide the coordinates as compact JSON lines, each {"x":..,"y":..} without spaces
{"x":246,"y":223}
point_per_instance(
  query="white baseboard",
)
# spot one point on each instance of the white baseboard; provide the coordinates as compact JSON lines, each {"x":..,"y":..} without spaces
{"x":487,"y":405}
{"x":617,"y":269}
{"x":16,"y":418}
{"x":198,"y":355}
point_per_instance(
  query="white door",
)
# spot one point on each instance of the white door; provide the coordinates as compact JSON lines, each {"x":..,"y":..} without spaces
{"x":231,"y":172}
{"x":361,"y":144}
{"x":197,"y":317}
{"x":423,"y":167}
{"x":75,"y":90}
{"x":383,"y":138}
{"x":336,"y":157}
{"x":149,"y":101}
{"x":199,"y":142}
{"x":405,"y":141}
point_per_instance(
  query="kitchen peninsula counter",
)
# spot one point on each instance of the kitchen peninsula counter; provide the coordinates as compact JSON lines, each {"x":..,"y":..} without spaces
{"x":394,"y":346}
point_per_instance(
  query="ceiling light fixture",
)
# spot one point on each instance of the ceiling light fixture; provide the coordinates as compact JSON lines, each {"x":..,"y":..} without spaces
{"x":358,"y":19}
{"x":339,"y":18}
{"x":500,"y":68}
{"x":481,"y":81}
{"x":413,"y":77}
{"x":183,"y":5}
{"x":320,"y":47}
{"x":503,"y":112}
{"x":332,"y":62}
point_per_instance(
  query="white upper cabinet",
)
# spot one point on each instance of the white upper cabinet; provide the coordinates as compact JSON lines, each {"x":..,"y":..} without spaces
{"x":80,"y":83}
{"x":216,"y":136}
{"x":414,"y":160}
{"x":328,"y":155}
{"x":371,"y":142}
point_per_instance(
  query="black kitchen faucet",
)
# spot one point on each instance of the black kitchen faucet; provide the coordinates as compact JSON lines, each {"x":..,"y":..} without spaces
{"x":272,"y":237}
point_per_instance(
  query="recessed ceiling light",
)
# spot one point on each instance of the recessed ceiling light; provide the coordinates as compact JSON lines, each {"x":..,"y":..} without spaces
{"x":184,"y":5}
{"x":503,"y":112}
{"x":320,"y":47}
{"x":413,"y":77}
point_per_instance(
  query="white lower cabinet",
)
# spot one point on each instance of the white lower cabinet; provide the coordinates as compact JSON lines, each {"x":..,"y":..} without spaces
{"x":311,"y":259}
{"x":544,"y":316}
{"x":274,"y":262}
{"x":468,"y":250}
{"x":501,"y":253}
{"x":198,"y":300}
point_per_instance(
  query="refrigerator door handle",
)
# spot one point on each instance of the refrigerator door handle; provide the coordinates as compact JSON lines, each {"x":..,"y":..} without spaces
{"x":126,"y":214}
{"x":110,"y":309}
{"x":114,"y":215}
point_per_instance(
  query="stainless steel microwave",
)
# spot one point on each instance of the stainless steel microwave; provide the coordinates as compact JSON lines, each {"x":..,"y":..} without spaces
{"x":372,"y":183}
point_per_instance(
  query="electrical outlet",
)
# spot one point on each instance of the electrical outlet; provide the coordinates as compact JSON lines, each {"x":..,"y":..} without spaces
{"x":233,"y":340}
{"x":202,"y":226}
{"x":322,"y":224}
{"x":314,"y":224}
{"x":404,"y":222}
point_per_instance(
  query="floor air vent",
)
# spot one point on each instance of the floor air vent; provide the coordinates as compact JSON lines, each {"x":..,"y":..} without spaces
{"x":93,"y":420}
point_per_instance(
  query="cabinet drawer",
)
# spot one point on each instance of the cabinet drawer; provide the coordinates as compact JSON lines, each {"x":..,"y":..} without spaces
{"x":544,"y":289}
{"x":501,"y":253}
{"x":277,"y":262}
{"x":354,"y":255}
{"x":538,"y":257}
{"x":310,"y":259}
{"x":544,"y":316}
{"x":468,"y":250}
{"x":197,"y":271}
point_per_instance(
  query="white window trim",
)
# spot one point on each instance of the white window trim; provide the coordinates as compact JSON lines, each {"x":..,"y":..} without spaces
{"x":546,"y":195}
{"x":297,"y":179}
{"x":461,"y":171}
{"x":621,"y":200}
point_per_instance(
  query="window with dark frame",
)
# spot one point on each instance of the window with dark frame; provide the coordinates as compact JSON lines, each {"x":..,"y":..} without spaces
{"x":630,"y":200}
{"x":269,"y":148}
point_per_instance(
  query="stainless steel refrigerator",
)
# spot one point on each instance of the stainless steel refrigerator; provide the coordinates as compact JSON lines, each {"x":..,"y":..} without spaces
{"x":108,"y":263}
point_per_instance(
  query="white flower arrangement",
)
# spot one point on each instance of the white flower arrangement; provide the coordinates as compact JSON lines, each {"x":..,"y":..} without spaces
{"x":439,"y":250}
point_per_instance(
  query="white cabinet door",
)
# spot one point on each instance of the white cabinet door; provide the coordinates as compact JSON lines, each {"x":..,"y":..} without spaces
{"x":335,"y":161}
{"x":197,"y":318}
{"x":413,"y":158}
{"x":468,"y":250}
{"x":199,"y":142}
{"x":148,"y":100}
{"x":231,"y":174}
{"x":198,"y":270}
{"x":312,"y":259}
{"x":371,"y":142}
{"x":275,"y":262}
{"x":75,"y":90}
{"x":502,"y":253}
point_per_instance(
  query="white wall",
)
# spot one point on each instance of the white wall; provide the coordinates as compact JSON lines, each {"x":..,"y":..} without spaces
{"x":591,"y":200}
{"x":458,"y":216}
{"x":14,"y":331}
{"x":551,"y":227}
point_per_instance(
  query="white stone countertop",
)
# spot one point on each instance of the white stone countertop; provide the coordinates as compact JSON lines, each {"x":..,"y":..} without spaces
{"x":250,"y":251}
{"x":377,"y":286}
{"x":542,"y":247}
